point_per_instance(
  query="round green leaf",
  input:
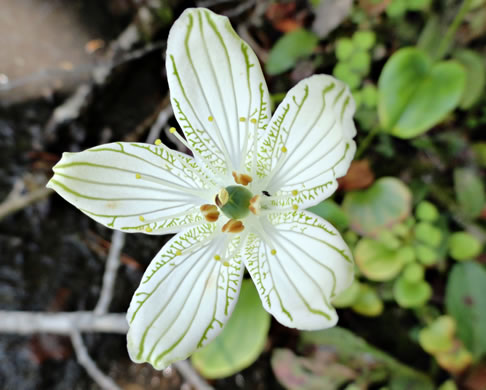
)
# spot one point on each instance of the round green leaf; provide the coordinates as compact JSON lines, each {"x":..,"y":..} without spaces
{"x":475,"y":76}
{"x":368,"y":303}
{"x":370,"y":95}
{"x":411,"y":294}
{"x":438,"y":336}
{"x":426,"y":255}
{"x":463,"y":246}
{"x":413,"y":273}
{"x":415,"y":93}
{"x":377,"y":262}
{"x":241,"y":341}
{"x":289,"y":49}
{"x":396,"y":8}
{"x":343,"y":72}
{"x":387,"y":202}
{"x":344,"y":49}
{"x":360,"y":62}
{"x":364,"y":39}
{"x":427,"y":211}
{"x":428,"y":234}
{"x":348,"y":296}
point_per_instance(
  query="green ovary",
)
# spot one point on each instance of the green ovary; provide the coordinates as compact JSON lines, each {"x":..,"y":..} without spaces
{"x":238,"y":202}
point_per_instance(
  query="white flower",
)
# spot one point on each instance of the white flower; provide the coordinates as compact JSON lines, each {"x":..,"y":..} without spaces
{"x":238,"y":203}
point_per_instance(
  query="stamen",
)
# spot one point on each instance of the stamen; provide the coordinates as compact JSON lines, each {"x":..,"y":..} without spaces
{"x":295,"y":192}
{"x":148,"y":229}
{"x":210,"y":212}
{"x":233,"y":226}
{"x":222,"y":197}
{"x":158,"y":141}
{"x":178,"y":252}
{"x":242,"y":119}
{"x":273,"y":252}
{"x":253,"y":120}
{"x":226,"y":264}
{"x":295,"y":207}
{"x":141,"y":218}
{"x":242,"y":178}
{"x":217,"y":257}
{"x":210,"y":118}
{"x":138,"y":176}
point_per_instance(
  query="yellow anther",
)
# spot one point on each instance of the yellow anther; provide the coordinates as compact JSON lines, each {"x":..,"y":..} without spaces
{"x":295,"y":192}
{"x":273,"y":251}
{"x":172,"y":130}
{"x":141,"y":218}
{"x":233,"y":226}
{"x":253,"y":120}
{"x":217,"y":257}
{"x":222,"y":197}
{"x":178,"y":252}
{"x":255,"y":205}
{"x":242,"y":119}
{"x":284,"y":149}
{"x":148,"y":229}
{"x":138,"y":176}
{"x":242,"y":178}
{"x":295,"y":207}
{"x":226,"y":264}
{"x":210,"y":212}
{"x":210,"y":118}
{"x":158,"y":141}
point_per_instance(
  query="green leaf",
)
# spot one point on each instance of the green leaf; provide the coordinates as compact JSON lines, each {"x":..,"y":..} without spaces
{"x":370,"y":95}
{"x":469,"y":192}
{"x":428,"y":234}
{"x":438,"y":336}
{"x":427,"y":211}
{"x":241,"y":341}
{"x":348,"y":296}
{"x":343,"y":72}
{"x":344,"y":49}
{"x":415,"y":93}
{"x":411,"y":294}
{"x":330,"y":211}
{"x":377,"y":262}
{"x":368,"y":302}
{"x":360,"y":62}
{"x":364,"y":39}
{"x":387,"y":202}
{"x":475,"y":76}
{"x":355,"y":352}
{"x":413,"y":273}
{"x":426,"y":255}
{"x":466,"y":302}
{"x":289,"y":49}
{"x":463,"y":246}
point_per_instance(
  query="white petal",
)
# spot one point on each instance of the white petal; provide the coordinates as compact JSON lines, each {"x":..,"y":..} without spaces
{"x":314,"y":124}
{"x":134,"y":186}
{"x":185,"y":297}
{"x":299,"y":262}
{"x":215,"y":79}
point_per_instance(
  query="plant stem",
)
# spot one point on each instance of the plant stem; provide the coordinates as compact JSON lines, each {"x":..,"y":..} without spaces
{"x":366,"y":142}
{"x":445,"y":43}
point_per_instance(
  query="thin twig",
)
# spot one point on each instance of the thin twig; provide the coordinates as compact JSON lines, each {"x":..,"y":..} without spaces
{"x":13,"y":204}
{"x":109,"y":277}
{"x":24,"y":322}
{"x":186,"y":370}
{"x":104,"y":381}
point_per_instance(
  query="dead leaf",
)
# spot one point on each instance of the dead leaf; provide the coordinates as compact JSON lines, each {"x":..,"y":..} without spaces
{"x":359,"y":176}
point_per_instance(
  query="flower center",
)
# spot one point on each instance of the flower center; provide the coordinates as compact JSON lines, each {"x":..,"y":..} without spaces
{"x":234,"y":201}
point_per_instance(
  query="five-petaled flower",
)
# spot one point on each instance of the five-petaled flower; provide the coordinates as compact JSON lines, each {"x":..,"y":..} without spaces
{"x":238,"y":203}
